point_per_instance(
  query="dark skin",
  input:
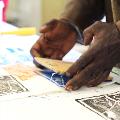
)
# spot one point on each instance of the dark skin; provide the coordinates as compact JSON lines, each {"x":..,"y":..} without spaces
{"x":57,"y":38}
{"x":94,"y":66}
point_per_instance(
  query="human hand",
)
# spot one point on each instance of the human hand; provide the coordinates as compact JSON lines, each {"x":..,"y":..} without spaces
{"x":57,"y":38}
{"x":94,"y":66}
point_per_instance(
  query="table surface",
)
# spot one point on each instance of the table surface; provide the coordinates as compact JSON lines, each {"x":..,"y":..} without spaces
{"x":45,"y":100}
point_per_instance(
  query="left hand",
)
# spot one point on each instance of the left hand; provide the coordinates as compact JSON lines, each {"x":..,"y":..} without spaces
{"x":94,"y":66}
{"x":57,"y":38}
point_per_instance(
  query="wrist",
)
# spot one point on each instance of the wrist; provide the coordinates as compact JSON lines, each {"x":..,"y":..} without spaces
{"x":75,"y":28}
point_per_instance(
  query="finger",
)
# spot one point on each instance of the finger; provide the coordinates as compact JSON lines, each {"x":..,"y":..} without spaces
{"x":81,"y":63}
{"x":84,"y":60}
{"x":48,"y":52}
{"x":81,"y":78}
{"x":35,"y":50}
{"x":88,"y":36}
{"x":34,"y":53}
{"x":89,"y":32}
{"x":100,"y":78}
{"x":73,"y":84}
{"x":48,"y":26}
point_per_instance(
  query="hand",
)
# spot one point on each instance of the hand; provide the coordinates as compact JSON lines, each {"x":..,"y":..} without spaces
{"x":57,"y":38}
{"x":94,"y":66}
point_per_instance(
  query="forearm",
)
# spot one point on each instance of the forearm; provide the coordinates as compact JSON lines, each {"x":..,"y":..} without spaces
{"x":83,"y":12}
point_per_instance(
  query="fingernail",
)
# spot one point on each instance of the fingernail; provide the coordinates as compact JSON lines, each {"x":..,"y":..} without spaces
{"x":69,"y":88}
{"x":76,"y":88}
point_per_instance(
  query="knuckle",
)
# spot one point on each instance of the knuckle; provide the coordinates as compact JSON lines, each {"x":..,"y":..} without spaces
{"x":98,"y":23}
{"x":85,"y":31}
{"x":54,"y":20}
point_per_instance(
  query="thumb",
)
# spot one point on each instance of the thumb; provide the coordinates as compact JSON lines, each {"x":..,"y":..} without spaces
{"x":90,"y":32}
{"x":48,"y":26}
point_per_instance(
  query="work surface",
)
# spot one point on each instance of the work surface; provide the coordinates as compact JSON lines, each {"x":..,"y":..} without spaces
{"x":36,"y":98}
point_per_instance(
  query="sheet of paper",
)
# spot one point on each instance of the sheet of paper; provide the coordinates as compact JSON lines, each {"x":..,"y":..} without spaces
{"x":45,"y":109}
{"x":21,"y":71}
{"x":16,"y":49}
{"x":107,"y":106}
{"x":11,"y":88}
{"x":72,"y":56}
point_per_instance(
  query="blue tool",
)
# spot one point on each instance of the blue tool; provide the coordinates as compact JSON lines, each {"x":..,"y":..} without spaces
{"x":59,"y":79}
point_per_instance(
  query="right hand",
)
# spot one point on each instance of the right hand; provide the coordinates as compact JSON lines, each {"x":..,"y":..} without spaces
{"x":57,"y":38}
{"x":94,"y":66}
